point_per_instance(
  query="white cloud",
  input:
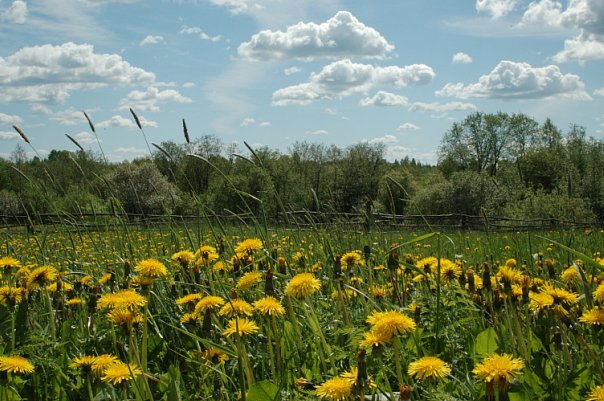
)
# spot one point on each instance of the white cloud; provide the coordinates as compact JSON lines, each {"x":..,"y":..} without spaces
{"x":385,"y":99}
{"x":8,"y":135}
{"x":345,"y":78}
{"x":384,"y":139}
{"x":495,"y":8}
{"x":188,"y":85}
{"x":461,"y":58}
{"x":236,"y":6}
{"x":407,"y":126}
{"x":319,"y":132}
{"x":122,"y":122}
{"x":16,"y":13}
{"x":512,"y":80}
{"x":582,"y":48}
{"x":543,"y":12}
{"x":291,"y":70}
{"x":599,"y":92}
{"x":340,"y":36}
{"x":442,"y":107}
{"x":195,"y":30}
{"x":149,"y":99}
{"x":152,"y":40}
{"x":10,"y":120}
{"x":70,"y":116}
{"x":247,"y":121}
{"x":87,"y":138}
{"x":49,"y":73}
{"x":264,"y":124}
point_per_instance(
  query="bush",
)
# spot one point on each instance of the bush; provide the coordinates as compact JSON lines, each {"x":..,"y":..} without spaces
{"x":542,"y":205}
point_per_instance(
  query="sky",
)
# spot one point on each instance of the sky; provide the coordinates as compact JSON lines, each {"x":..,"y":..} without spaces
{"x":276,"y":72}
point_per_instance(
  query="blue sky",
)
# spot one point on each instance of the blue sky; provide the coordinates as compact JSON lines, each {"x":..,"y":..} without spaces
{"x":273,"y":72}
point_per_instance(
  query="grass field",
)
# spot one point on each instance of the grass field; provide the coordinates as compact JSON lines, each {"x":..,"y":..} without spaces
{"x":223,"y":313}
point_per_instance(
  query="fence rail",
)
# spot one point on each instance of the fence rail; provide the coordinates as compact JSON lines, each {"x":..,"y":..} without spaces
{"x":303,"y":219}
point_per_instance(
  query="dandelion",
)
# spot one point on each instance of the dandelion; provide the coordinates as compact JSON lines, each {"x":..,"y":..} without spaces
{"x":214,"y":356}
{"x":85,"y":363}
{"x":119,"y":372}
{"x":124,"y":317}
{"x":302,"y":285}
{"x":429,"y":367}
{"x":374,"y":340}
{"x":188,"y":299}
{"x":124,"y":299}
{"x":351,"y":259}
{"x":594,"y":317}
{"x":190,"y":318}
{"x":249,"y":246}
{"x":449,"y":270}
{"x":599,"y":293}
{"x":269,"y":306}
{"x":390,"y":323}
{"x":205,"y":254}
{"x":511,"y":263}
{"x":336,"y":388}
{"x":240,"y":326}
{"x":41,"y":277}
{"x":15,"y":364}
{"x":248,"y":280}
{"x":183,"y":258}
{"x":74,"y":302}
{"x":208,"y":302}
{"x":8,"y":262}
{"x":11,"y":295}
{"x":596,"y":394}
{"x":498,"y":371}
{"x":151,"y":268}
{"x":236,"y":307}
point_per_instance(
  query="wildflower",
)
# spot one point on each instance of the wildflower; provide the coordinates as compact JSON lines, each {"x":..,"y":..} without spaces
{"x":449,"y":270}
{"x":84,"y":362}
{"x":124,"y":316}
{"x":8,"y":262}
{"x":74,"y":302}
{"x":240,"y":326}
{"x":208,"y":302}
{"x":508,"y":275}
{"x":188,"y":299}
{"x":249,"y":246}
{"x":11,"y":295}
{"x":570,"y":274}
{"x":498,"y":371}
{"x":248,"y":280}
{"x":511,"y":263}
{"x":594,"y":317}
{"x":124,"y":299}
{"x":105,"y":278}
{"x":236,"y":307}
{"x":269,"y":306}
{"x":390,"y":323}
{"x":374,"y":340}
{"x":205,"y":254}
{"x":119,"y":372}
{"x":183,"y":258}
{"x":302,"y":285}
{"x":429,"y":367}
{"x":151,"y":268}
{"x":599,"y":293}
{"x":15,"y":364}
{"x":189,"y":318}
{"x":352,"y":375}
{"x":214,"y":355}
{"x":351,"y":259}
{"x":336,"y":388}
{"x":41,"y":277}
{"x":101,"y":362}
{"x":596,"y":394}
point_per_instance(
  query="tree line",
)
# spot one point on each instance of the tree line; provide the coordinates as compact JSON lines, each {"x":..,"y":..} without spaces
{"x":492,"y":164}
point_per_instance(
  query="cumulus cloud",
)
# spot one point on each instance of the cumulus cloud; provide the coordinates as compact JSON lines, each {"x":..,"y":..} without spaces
{"x":512,"y":80}
{"x":149,"y":99}
{"x":8,"y":135}
{"x":292,"y":70}
{"x":236,"y":6}
{"x":385,"y":99}
{"x":341,"y":36}
{"x":345,"y":78}
{"x":544,"y":12}
{"x":319,"y":132}
{"x":195,"y":30}
{"x":461,"y":58}
{"x":384,"y":139}
{"x":495,"y":8}
{"x":10,"y":120}
{"x":152,"y":40}
{"x":16,"y":13}
{"x":248,"y":121}
{"x":70,"y":116}
{"x":49,"y":73}
{"x":188,"y":85}
{"x":599,"y":92}
{"x":118,"y":121}
{"x":407,"y":127}
{"x":442,"y":107}
{"x":582,"y":48}
{"x":87,"y":138}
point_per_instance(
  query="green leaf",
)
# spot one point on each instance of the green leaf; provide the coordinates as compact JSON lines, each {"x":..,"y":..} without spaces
{"x":262,"y":391}
{"x":486,"y":342}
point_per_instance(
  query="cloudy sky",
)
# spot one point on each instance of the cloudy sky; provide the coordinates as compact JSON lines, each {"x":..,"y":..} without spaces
{"x":273,"y":72}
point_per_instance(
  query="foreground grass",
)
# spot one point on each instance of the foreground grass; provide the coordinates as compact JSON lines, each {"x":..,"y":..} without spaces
{"x":252,"y":313}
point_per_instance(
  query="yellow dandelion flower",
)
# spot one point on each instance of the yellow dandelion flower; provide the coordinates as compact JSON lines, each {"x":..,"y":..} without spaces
{"x":205,"y":254}
{"x":74,"y":302}
{"x":449,"y":270}
{"x":511,"y":263}
{"x":15,"y":364}
{"x":214,"y":356}
{"x":189,"y":318}
{"x":236,"y":307}
{"x":352,"y":374}
{"x":594,"y":317}
{"x":101,"y":362}
{"x":570,"y":274}
{"x":41,"y":277}
{"x":188,"y":299}
{"x":8,"y":262}
{"x":269,"y":306}
{"x":596,"y":394}
{"x":560,"y":295}
{"x":11,"y":295}
{"x":429,"y":367}
{"x":83,"y":362}
{"x":105,"y":278}
{"x":374,"y":340}
{"x":390,"y":323}
{"x":350,"y":259}
{"x":183,"y":258}
{"x":124,"y":316}
{"x":65,"y":286}
{"x":123,"y":299}
{"x":248,"y":280}
{"x":302,"y":285}
{"x":208,"y":302}
{"x":119,"y":372}
{"x":378,"y":291}
{"x":498,"y":371}
{"x":249,"y":246}
{"x":508,"y":275}
{"x":151,"y":268}
{"x":599,"y":293}
{"x":240,"y":326}
{"x":336,"y":388}
{"x":428,"y":264}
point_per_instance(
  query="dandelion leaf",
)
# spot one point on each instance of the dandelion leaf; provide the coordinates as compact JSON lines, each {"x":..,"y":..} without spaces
{"x":262,"y":391}
{"x":486,"y":343}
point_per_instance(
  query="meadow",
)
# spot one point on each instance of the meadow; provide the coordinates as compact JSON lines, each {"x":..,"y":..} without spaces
{"x":214,"y":312}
